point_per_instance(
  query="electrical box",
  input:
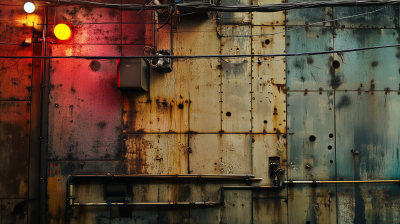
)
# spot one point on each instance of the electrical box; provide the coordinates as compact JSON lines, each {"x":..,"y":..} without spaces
{"x":133,"y":74}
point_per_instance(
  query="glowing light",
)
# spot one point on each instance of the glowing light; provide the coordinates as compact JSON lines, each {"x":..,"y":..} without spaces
{"x":29,"y":7}
{"x":62,"y":32}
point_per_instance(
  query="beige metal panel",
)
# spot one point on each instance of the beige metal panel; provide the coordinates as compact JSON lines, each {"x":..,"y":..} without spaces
{"x":269,"y":210}
{"x":156,"y":153}
{"x":238,"y":207}
{"x":14,"y":148}
{"x":220,"y":154}
{"x":208,"y":191}
{"x":264,"y":147}
{"x":202,"y":76}
{"x":310,"y":204}
{"x":236,"y":80}
{"x":269,"y":81}
{"x":268,"y":18}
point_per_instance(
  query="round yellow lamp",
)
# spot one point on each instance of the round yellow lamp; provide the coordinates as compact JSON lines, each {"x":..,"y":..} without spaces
{"x":62,"y":32}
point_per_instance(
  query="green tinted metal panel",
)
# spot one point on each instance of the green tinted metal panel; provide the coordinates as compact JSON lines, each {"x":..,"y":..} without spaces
{"x":309,"y":72}
{"x":376,"y":69}
{"x":311,"y":150}
{"x":307,"y":16}
{"x":367,"y":122}
{"x":384,"y":18}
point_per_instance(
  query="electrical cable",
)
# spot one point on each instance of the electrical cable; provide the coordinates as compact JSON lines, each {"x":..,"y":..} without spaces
{"x":11,"y":65}
{"x":194,"y":7}
{"x":10,"y":43}
{"x":211,"y":56}
{"x":311,"y":24}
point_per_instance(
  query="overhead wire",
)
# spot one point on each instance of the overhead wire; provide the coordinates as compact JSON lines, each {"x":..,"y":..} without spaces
{"x":213,"y":56}
{"x":311,"y":24}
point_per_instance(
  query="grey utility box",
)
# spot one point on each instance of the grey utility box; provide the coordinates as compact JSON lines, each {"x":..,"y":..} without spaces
{"x":133,"y":74}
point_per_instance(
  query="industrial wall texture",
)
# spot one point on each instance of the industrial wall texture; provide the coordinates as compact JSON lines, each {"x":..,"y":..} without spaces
{"x":324,"y":117}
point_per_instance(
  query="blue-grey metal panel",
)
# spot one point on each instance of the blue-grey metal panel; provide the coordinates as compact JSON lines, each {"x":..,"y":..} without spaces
{"x":307,"y":16}
{"x":311,"y":146}
{"x":366,"y":122}
{"x":384,"y":18}
{"x":310,"y":72}
{"x":371,"y":69}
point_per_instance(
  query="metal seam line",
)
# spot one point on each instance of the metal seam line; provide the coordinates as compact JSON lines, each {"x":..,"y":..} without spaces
{"x":340,"y":181}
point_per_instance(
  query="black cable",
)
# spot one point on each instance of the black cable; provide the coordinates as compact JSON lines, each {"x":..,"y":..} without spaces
{"x":9,"y":43}
{"x":194,"y":7}
{"x":11,"y":65}
{"x":210,"y":56}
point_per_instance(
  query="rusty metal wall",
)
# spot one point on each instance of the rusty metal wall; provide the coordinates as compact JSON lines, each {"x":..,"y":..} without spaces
{"x":19,"y":114}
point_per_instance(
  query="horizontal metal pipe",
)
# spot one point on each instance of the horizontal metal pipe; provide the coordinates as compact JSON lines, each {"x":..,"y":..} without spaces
{"x":249,"y":177}
{"x":147,"y":203}
{"x":341,"y":181}
{"x":250,"y":187}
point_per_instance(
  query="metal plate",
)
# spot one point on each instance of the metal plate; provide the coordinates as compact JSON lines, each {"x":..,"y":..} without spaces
{"x":309,"y":72}
{"x":384,"y":18}
{"x":306,"y":16}
{"x":269,"y":81}
{"x":14,"y":153}
{"x":269,"y":210}
{"x":13,"y":211}
{"x":311,"y":148}
{"x":156,"y":153}
{"x":236,"y":81}
{"x":267,"y":18}
{"x":235,"y":17}
{"x":84,"y":109}
{"x":365,"y":123}
{"x":307,"y":204}
{"x":371,"y":69}
{"x":220,"y":154}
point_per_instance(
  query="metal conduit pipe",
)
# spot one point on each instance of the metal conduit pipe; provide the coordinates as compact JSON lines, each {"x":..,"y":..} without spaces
{"x":245,"y":177}
{"x":339,"y":181}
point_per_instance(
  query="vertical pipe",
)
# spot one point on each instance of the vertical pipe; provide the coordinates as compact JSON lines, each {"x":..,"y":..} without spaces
{"x":43,"y":125}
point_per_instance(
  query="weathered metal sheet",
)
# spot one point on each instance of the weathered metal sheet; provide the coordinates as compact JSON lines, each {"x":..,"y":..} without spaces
{"x":311,"y":142}
{"x":90,"y":214}
{"x":238,"y":207}
{"x":236,"y":80}
{"x":310,"y":204}
{"x":384,"y":18}
{"x":83,"y":15}
{"x":84,"y":109}
{"x":367,"y":70}
{"x":264,"y":147}
{"x":306,"y":16}
{"x":366,"y":123}
{"x":156,"y":153}
{"x":14,"y":141}
{"x":269,"y":210}
{"x":11,"y":12}
{"x":200,"y":78}
{"x":240,"y":18}
{"x":267,"y":18}
{"x":368,"y":203}
{"x":268,"y":81}
{"x":220,"y":154}
{"x":310,"y":72}
{"x":13,"y":211}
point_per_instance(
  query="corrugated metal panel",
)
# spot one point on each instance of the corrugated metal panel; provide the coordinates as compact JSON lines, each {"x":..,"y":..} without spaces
{"x":14,"y":153}
{"x":236,"y":80}
{"x":268,"y":81}
{"x":367,"y":70}
{"x":310,"y":72}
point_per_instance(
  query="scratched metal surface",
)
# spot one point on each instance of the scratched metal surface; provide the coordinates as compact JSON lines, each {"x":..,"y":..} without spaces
{"x":367,"y":70}
{"x":310,"y":72}
{"x":307,"y":16}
